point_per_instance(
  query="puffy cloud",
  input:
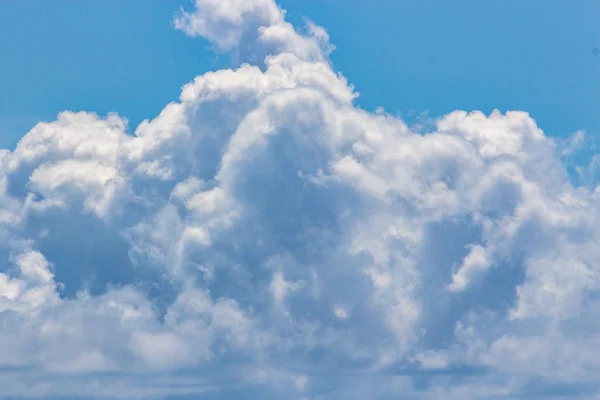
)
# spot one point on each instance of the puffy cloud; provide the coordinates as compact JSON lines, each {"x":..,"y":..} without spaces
{"x":226,"y":22}
{"x":476,"y":261}
{"x":33,"y":289}
{"x":264,"y":236}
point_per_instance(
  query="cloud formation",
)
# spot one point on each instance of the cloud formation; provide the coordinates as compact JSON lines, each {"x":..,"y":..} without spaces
{"x":264,"y":237}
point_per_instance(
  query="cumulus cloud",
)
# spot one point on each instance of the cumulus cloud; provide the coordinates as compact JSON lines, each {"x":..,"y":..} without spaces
{"x":263,"y":237}
{"x":226,"y":22}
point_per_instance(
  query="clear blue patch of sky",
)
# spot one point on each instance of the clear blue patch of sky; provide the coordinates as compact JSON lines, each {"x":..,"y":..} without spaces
{"x":407,"y":56}
{"x":100,"y":56}
{"x":438,"y":56}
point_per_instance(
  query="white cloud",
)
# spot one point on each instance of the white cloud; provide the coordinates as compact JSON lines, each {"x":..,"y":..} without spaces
{"x":280,"y":287}
{"x":266,"y":189}
{"x":224,"y":22}
{"x":341,"y":313}
{"x":474,"y":263}
{"x":33,"y":289}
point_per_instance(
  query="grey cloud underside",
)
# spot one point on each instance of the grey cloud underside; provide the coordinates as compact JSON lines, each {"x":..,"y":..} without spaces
{"x":265,"y":238}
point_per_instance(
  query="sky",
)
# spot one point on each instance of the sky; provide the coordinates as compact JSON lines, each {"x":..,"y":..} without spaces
{"x":220,"y":199}
{"x":408,"y":57}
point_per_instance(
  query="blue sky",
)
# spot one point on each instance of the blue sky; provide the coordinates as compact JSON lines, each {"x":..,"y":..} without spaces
{"x":195,"y":204}
{"x":406,"y":56}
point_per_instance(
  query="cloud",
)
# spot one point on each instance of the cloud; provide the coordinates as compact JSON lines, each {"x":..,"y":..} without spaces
{"x":263,"y":237}
{"x":475,"y":262}
{"x":226,"y":22}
